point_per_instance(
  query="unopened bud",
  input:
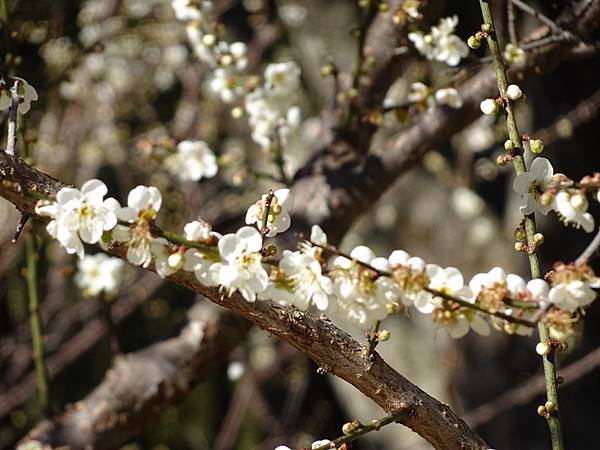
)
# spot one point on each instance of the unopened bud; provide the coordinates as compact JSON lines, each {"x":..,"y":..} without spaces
{"x":550,"y":406}
{"x":503,"y":160}
{"x":384,"y":335}
{"x":541,"y":410}
{"x":536,"y":146}
{"x":538,"y":239}
{"x":175,"y":260}
{"x":474,"y":42}
{"x":520,"y":246}
{"x":327,"y":70}
{"x":489,"y":106}
{"x":542,"y":349}
{"x":350,"y":427}
{"x":209,"y":40}
{"x":520,"y":234}
{"x":508,"y":145}
{"x":276,"y":208}
{"x":487,"y":27}
{"x":546,"y":198}
{"x":514,"y":92}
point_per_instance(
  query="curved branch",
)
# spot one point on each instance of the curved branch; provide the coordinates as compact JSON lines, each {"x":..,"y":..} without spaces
{"x":333,"y":349}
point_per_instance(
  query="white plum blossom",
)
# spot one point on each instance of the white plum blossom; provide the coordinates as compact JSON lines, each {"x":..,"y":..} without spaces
{"x":532,"y":184}
{"x":166,"y":262}
{"x":99,"y":273}
{"x":418,"y":298}
{"x":278,"y":219}
{"x":305,"y":274}
{"x":572,"y":205}
{"x":441,"y":44}
{"x":189,"y":10}
{"x":426,"y":98}
{"x":272,"y":115}
{"x":200,"y":231}
{"x":242,"y":267}
{"x":143,"y":203}
{"x":361,"y":296}
{"x":192,"y":160}
{"x":449,"y":97}
{"x":204,"y":268}
{"x":26,"y":92}
{"x":317,"y":235}
{"x":450,"y":281}
{"x":225,"y":84}
{"x":573,"y":294}
{"x":80,"y":215}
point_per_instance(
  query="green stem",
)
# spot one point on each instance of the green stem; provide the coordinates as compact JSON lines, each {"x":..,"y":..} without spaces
{"x":530,"y":227}
{"x":34,"y":318}
{"x":361,"y":430}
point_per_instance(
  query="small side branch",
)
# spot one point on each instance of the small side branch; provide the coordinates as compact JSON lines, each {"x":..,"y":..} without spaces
{"x":11,"y":140}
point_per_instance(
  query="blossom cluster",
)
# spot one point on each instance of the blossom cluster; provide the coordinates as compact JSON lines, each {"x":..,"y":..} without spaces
{"x":541,"y":190}
{"x":441,"y":44}
{"x":272,"y":113}
{"x":426,"y":98}
{"x":360,"y":288}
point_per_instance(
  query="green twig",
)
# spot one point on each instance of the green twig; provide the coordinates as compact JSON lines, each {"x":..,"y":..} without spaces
{"x":530,"y":227}
{"x":373,"y":339}
{"x":361,"y":430}
{"x":34,"y":318}
{"x":264,"y":229}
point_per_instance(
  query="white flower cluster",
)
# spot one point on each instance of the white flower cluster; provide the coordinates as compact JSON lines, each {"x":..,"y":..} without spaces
{"x":192,"y":160}
{"x":424,"y":96}
{"x":272,"y":113}
{"x":26,"y":92}
{"x":570,"y":204}
{"x":441,"y":44}
{"x":271,"y":109}
{"x":360,"y":288}
{"x":99,"y":273}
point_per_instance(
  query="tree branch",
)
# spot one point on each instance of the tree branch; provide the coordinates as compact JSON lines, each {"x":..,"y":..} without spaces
{"x":333,"y":349}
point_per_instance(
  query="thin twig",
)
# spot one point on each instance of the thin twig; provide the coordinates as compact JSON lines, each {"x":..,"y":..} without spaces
{"x":511,"y":18}
{"x":530,"y":389}
{"x":361,"y":430}
{"x":11,"y":140}
{"x":530,"y":227}
{"x":538,"y":15}
{"x":590,"y":251}
{"x":36,"y":327}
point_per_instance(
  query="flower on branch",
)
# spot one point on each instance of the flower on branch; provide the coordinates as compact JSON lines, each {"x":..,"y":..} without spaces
{"x":192,"y":160}
{"x":242,"y":267}
{"x":278,"y":218}
{"x":26,"y":92}
{"x":99,"y":273}
{"x":80,"y":215}
{"x":532,"y":184}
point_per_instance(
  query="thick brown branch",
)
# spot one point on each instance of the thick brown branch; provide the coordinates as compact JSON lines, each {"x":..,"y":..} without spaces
{"x":334,"y":350}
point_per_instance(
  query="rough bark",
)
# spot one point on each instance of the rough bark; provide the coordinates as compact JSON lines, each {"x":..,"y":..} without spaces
{"x":333,"y":349}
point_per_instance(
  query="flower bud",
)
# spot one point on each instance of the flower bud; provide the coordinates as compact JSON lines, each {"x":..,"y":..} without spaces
{"x":327,"y":70}
{"x":542,"y":349}
{"x":538,"y":239}
{"x":474,"y":42}
{"x":350,"y":427}
{"x":579,"y":202}
{"x":520,"y":246}
{"x":541,"y":410}
{"x":487,"y":27}
{"x":209,"y":40}
{"x":549,"y":406}
{"x":547,"y":198}
{"x":509,"y":145}
{"x":384,"y":335}
{"x":489,"y":106}
{"x":520,"y":234}
{"x":175,"y":260}
{"x":514,"y":92}
{"x":536,"y":145}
